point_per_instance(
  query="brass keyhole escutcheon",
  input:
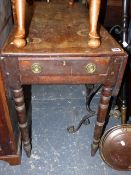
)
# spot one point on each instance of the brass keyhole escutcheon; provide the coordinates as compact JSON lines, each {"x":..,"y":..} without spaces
{"x":36,"y":68}
{"x":90,"y":68}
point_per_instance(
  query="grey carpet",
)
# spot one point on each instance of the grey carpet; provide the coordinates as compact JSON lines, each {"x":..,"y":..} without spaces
{"x":55,"y":151}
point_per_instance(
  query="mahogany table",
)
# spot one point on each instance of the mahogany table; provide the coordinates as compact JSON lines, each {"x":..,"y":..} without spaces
{"x":57,"y":52}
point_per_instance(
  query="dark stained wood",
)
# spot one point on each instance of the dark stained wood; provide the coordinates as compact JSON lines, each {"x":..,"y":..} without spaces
{"x":102,"y":112}
{"x":12,"y":76}
{"x":57,"y":53}
{"x":5,"y":123}
{"x":21,"y":114}
{"x":61,"y":30}
{"x":9,"y":146}
{"x":13,"y":159}
{"x":64,"y":67}
{"x":9,"y":134}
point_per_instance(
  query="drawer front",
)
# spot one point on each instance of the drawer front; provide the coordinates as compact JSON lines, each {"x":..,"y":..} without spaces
{"x":63,"y":67}
{"x":90,"y":67}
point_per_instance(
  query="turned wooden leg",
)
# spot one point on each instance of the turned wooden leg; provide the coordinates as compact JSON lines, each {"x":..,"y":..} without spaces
{"x":19,"y":40}
{"x":101,"y":116}
{"x":22,"y":120}
{"x":94,"y":9}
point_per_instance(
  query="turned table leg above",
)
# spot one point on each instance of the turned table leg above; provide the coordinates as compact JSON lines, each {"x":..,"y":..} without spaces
{"x":19,"y":7}
{"x":101,"y":117}
{"x":19,"y":40}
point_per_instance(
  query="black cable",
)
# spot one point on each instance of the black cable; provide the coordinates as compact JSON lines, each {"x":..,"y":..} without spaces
{"x":90,"y":113}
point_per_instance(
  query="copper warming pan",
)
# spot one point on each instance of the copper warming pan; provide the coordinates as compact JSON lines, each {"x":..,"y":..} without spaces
{"x":115,"y":147}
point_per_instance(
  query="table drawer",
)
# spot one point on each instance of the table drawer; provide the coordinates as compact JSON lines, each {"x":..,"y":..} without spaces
{"x":63,"y":67}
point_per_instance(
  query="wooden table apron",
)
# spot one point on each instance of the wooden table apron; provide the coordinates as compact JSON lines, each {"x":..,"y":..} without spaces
{"x":63,"y":70}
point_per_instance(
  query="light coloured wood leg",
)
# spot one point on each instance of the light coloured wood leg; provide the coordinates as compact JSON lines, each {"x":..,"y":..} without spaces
{"x":94,"y":9}
{"x":19,"y":40}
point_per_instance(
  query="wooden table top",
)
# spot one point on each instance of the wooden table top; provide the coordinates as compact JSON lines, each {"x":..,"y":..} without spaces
{"x":57,"y":29}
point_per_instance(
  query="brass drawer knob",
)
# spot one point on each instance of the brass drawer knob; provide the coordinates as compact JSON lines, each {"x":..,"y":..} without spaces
{"x":36,"y":68}
{"x":90,"y":68}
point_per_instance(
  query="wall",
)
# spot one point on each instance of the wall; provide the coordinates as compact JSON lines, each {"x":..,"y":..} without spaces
{"x":5,"y":20}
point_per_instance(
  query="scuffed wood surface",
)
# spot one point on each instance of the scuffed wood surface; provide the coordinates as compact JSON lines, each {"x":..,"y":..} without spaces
{"x":56,"y":28}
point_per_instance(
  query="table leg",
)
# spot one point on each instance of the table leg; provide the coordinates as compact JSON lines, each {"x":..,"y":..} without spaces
{"x":101,"y":116}
{"x":22,"y":120}
{"x":94,"y":9}
{"x":19,"y":40}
